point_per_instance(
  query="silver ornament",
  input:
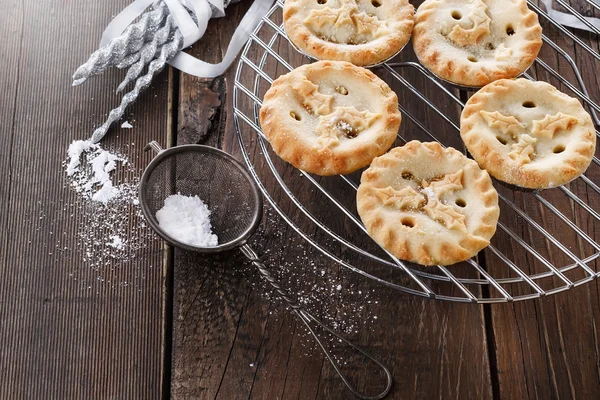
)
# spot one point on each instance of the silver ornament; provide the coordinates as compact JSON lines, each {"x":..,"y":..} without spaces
{"x":129,"y":42}
{"x":148,"y":52}
{"x":168,"y":51}
{"x":155,"y":33}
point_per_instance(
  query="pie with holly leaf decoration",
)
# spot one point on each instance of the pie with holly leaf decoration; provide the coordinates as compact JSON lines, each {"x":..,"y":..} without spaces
{"x":330,"y":117}
{"x":475,"y":42}
{"x":363,"y":32}
{"x":528,"y":133}
{"x":428,"y":204}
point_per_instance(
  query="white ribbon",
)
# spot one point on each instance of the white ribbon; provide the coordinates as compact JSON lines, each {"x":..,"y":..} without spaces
{"x":191,"y":31}
{"x":569,"y":19}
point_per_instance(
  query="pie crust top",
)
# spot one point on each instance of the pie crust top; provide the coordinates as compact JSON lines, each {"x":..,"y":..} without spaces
{"x":528,"y":133}
{"x":330,"y":117}
{"x":475,"y":42}
{"x":427,"y":204}
{"x":363,"y":32}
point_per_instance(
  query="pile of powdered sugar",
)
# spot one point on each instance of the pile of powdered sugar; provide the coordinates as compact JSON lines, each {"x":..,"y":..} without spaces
{"x":187,"y":219}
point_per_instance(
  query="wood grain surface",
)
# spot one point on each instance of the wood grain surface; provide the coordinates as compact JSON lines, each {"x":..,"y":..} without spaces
{"x":69,"y":330}
{"x":172,"y":324}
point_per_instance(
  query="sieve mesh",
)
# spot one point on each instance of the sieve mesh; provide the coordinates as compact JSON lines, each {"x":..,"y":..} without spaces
{"x":217,"y":179}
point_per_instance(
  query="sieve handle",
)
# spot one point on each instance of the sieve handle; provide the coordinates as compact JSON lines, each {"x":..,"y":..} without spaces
{"x":308,"y":320}
{"x":153,"y":145}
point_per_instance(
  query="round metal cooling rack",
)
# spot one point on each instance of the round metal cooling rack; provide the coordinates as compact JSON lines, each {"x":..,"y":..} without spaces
{"x":543,"y":245}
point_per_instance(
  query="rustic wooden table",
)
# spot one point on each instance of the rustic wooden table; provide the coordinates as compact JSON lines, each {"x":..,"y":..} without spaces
{"x":179,"y":325}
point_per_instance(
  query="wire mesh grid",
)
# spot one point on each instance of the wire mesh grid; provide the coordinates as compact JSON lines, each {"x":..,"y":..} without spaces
{"x":546,"y":241}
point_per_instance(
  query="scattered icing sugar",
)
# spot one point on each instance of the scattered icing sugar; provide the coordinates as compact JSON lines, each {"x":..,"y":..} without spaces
{"x":75,"y":150}
{"x":102,"y":164}
{"x":116,"y":242}
{"x":111,"y":231}
{"x":187,"y":219}
{"x":313,"y":280}
{"x":429,"y":192}
{"x":107,"y":193}
{"x":344,"y":126}
{"x":92,"y":179}
{"x":126,"y":125}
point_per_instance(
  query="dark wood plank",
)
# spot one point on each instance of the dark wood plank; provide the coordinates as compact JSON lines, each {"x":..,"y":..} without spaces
{"x":69,"y":330}
{"x":11,"y":33}
{"x":209,"y":293}
{"x":233,"y":339}
{"x":548,"y":348}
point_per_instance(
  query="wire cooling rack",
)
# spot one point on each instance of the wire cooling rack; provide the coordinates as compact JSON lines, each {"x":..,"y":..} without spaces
{"x":546,"y":241}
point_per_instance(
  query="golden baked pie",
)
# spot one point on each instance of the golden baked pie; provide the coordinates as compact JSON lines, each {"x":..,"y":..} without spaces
{"x":475,"y":42}
{"x":363,"y":32}
{"x":330,"y":117}
{"x":427,"y":204}
{"x":527,"y":133}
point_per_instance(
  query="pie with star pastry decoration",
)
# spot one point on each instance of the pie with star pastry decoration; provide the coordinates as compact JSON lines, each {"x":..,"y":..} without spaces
{"x":427,"y":204}
{"x":363,"y":32}
{"x":475,"y":42}
{"x":528,"y":134}
{"x":330,"y":117}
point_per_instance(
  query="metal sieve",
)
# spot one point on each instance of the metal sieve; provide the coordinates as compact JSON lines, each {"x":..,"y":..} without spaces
{"x":236,"y":204}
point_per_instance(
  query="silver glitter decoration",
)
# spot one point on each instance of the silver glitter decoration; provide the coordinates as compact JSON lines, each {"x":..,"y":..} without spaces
{"x":137,"y":47}
{"x":149,"y":51}
{"x":130,"y":42}
{"x":167,"y":52}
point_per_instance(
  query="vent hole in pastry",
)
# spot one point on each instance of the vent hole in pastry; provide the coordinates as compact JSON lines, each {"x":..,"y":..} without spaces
{"x":295,"y":116}
{"x":347,"y":130}
{"x":409,"y":222}
{"x":490,"y":46}
{"x":321,"y":1}
{"x":529,"y":104}
{"x":341,"y":90}
{"x":472,"y":58}
{"x":509,"y":30}
{"x":376,"y":3}
{"x":461,"y":203}
{"x":456,"y":14}
{"x":501,"y":139}
{"x":559,"y":149}
{"x":407,"y":175}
